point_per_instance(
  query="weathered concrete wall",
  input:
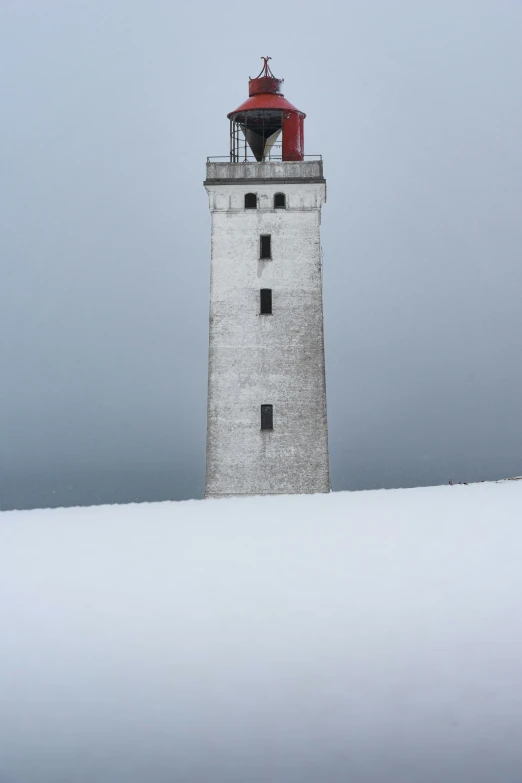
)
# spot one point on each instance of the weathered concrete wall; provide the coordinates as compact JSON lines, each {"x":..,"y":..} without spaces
{"x":279,"y":170}
{"x":256,"y":359}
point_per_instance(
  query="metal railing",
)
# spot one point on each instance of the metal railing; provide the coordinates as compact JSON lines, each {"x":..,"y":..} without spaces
{"x":252,"y":159}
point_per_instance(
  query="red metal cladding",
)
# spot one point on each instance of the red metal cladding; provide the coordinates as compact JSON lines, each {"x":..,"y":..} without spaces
{"x":259,"y":117}
{"x":293,"y":135}
{"x":264,"y":101}
{"x":265,"y":84}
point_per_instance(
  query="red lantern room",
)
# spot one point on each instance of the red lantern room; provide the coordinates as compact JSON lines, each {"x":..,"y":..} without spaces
{"x":260,"y":121}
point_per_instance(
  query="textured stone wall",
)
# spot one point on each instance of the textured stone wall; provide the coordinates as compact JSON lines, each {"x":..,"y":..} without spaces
{"x":279,"y":170}
{"x":256,"y":359}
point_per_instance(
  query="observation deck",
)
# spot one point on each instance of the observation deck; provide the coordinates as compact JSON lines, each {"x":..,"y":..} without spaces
{"x":222,"y":172}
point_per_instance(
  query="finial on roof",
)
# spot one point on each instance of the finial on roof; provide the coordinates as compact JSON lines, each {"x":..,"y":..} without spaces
{"x":265,"y":81}
{"x":265,"y":70}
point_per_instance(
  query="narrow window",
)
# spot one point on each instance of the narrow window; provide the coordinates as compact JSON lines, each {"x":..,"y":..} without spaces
{"x":279,"y":201}
{"x":265,"y":249}
{"x":250,"y":201}
{"x":265,"y":301}
{"x":267,"y":417}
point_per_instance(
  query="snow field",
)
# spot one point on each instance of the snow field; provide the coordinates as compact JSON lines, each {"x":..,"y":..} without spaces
{"x":362,"y":636}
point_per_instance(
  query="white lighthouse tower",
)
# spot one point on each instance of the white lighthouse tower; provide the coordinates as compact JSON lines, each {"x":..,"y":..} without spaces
{"x":266,"y":419}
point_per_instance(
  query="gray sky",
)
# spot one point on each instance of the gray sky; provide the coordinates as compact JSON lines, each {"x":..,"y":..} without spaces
{"x":109,"y":111}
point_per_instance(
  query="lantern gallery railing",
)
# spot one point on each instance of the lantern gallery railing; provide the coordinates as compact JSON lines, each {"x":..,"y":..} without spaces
{"x":252,"y":159}
{"x":255,"y":133}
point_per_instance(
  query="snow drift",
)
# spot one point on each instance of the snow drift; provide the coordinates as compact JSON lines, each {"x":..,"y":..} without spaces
{"x":362,"y":637}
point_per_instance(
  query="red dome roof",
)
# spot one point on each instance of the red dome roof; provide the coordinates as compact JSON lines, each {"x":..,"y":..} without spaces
{"x":265,"y":101}
{"x":265,"y":94}
{"x":264,"y":117}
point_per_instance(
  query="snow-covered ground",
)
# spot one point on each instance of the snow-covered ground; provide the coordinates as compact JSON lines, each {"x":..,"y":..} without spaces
{"x":362,"y":637}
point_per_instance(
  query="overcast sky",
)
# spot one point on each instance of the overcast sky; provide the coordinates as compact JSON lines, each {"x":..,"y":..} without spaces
{"x":109,"y":111}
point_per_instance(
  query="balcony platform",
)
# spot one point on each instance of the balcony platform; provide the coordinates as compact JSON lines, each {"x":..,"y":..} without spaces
{"x":227,"y":173}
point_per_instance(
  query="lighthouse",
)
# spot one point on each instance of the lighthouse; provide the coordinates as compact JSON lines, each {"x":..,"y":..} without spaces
{"x":266,"y":415}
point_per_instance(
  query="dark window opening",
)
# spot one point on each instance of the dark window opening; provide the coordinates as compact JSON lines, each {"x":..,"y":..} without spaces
{"x":266,"y":250}
{"x":267,"y":417}
{"x":265,"y":301}
{"x":250,"y":201}
{"x":280,"y":201}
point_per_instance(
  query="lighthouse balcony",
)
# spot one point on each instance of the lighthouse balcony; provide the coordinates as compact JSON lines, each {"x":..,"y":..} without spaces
{"x":225,"y":172}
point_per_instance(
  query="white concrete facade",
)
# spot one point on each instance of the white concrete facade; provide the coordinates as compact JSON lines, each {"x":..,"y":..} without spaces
{"x":275,"y":359}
